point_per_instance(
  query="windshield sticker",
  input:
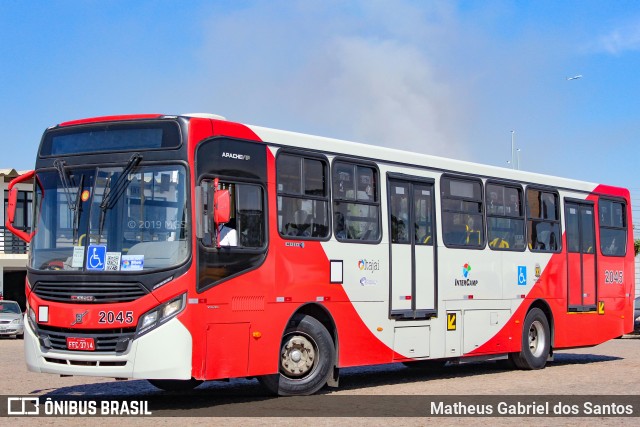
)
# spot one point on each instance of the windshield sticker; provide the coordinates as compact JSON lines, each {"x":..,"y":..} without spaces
{"x":113,"y":261}
{"x":96,"y":257}
{"x":78,"y":257}
{"x":132,"y":262}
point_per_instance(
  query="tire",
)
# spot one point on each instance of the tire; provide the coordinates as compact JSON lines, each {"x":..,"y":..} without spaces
{"x":536,"y":342}
{"x":175,"y":385}
{"x":306,"y":359}
{"x":20,"y":337}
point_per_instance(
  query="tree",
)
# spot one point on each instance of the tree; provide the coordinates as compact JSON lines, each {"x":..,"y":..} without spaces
{"x":636,"y":246}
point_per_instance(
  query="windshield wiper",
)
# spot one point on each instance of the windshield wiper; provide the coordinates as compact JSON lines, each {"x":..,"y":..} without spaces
{"x":75,"y":206}
{"x":77,"y":211}
{"x":113,"y":193}
{"x":103,"y":207}
{"x":65,"y":180}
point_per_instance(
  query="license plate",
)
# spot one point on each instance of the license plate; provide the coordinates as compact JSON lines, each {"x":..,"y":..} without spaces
{"x":83,"y":344}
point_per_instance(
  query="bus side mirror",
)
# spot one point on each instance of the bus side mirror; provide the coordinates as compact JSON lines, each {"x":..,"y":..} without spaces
{"x":11,"y":206}
{"x":221,"y":207}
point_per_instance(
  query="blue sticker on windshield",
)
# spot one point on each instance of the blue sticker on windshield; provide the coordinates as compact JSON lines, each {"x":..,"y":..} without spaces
{"x":132,"y":262}
{"x":96,"y":257}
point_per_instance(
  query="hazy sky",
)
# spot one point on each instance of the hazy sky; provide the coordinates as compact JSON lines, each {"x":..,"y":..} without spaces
{"x":446,"y":78}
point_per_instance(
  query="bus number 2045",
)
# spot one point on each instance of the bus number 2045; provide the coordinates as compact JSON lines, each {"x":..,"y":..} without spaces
{"x":613,"y":276}
{"x":115,"y":317}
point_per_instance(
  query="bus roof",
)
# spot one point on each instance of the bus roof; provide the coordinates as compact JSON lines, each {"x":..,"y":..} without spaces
{"x":419,"y":160}
{"x":379,"y":154}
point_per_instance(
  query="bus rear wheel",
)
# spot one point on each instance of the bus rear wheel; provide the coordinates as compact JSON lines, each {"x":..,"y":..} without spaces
{"x":175,"y":385}
{"x":305,"y":361}
{"x":536,"y":342}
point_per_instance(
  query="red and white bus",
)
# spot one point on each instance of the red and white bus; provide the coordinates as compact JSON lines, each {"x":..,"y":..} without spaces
{"x":187,"y":248}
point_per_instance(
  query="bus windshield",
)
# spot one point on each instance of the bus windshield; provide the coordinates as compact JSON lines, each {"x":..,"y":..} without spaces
{"x":110,"y":219}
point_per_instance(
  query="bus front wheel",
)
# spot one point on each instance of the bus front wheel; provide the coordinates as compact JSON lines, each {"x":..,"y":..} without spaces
{"x":536,"y":342}
{"x":305,"y":361}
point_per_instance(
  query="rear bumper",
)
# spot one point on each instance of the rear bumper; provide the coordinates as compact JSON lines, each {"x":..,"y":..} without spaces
{"x":164,"y":353}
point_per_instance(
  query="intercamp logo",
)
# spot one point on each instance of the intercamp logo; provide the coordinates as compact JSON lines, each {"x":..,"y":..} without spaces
{"x":467,"y":281}
{"x":466,"y":269}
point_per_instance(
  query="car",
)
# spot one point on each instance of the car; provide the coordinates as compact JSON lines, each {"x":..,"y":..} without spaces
{"x":11,"y":319}
{"x":636,"y":315}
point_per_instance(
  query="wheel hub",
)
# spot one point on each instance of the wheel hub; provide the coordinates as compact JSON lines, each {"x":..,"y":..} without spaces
{"x":536,"y":338}
{"x":297,"y":356}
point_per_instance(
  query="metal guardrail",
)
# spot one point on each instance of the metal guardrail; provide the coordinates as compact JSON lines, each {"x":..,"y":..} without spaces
{"x":10,"y":244}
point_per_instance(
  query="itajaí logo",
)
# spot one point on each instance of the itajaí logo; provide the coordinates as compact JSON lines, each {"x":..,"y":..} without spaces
{"x":364,"y":264}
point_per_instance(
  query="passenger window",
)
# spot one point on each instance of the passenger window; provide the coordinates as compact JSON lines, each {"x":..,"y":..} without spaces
{"x":303,"y":200}
{"x":356,"y":205}
{"x":613,"y":227}
{"x":462,"y":212}
{"x":505,"y":221}
{"x":543,"y":221}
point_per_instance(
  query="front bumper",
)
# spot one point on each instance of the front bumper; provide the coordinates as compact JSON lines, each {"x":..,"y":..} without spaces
{"x":7,"y":329}
{"x":164,"y":353}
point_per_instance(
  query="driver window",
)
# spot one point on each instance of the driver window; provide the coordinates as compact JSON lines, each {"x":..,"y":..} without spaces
{"x":245,"y":228}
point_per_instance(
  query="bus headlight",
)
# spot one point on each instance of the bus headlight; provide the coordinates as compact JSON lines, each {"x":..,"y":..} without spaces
{"x":172,"y":308}
{"x":161,"y":314}
{"x":32,"y":318}
{"x":148,"y":320}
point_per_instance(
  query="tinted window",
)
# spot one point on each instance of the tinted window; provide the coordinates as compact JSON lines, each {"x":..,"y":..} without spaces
{"x":315,"y":175}
{"x":111,"y":137}
{"x":462,"y":212}
{"x":613,"y":227}
{"x":356,"y":205}
{"x":303,"y":200}
{"x":505,"y":219}
{"x":543,"y":221}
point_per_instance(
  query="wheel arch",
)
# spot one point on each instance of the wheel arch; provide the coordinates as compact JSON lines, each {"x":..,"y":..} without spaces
{"x":322,"y":315}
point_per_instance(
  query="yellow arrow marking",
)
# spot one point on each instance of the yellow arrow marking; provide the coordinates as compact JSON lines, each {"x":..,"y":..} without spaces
{"x":451,"y":321}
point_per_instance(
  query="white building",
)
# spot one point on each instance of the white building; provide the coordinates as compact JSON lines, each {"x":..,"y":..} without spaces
{"x":13,"y":251}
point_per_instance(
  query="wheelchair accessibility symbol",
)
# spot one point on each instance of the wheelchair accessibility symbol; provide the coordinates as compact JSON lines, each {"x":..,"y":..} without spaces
{"x":522,"y":275}
{"x":96,"y":257}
